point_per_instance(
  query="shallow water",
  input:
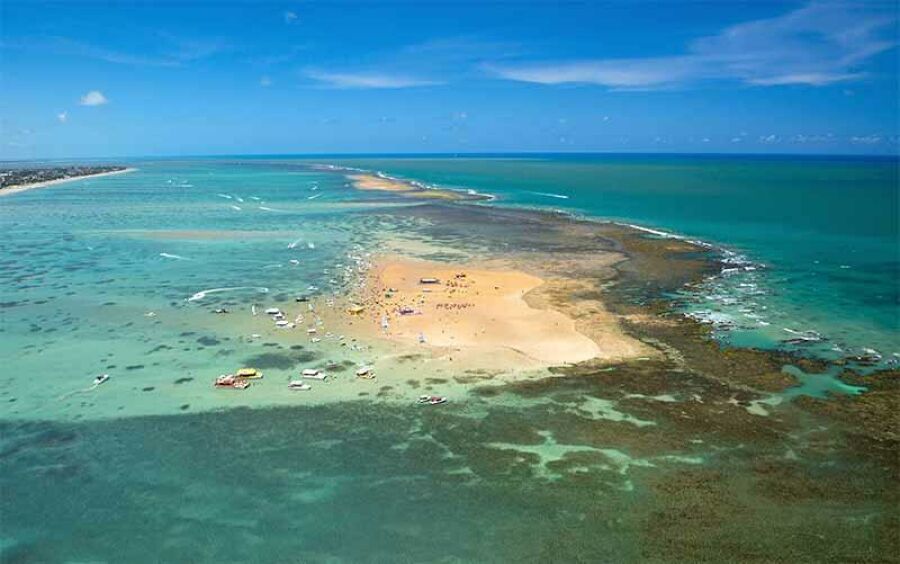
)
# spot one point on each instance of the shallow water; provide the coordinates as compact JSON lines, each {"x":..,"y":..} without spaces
{"x":122,"y":274}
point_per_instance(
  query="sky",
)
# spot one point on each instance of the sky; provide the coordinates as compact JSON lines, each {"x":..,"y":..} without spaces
{"x":170,"y":78}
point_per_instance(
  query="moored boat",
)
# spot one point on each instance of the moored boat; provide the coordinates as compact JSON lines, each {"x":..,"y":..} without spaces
{"x":432,"y":400}
{"x":248,"y":374}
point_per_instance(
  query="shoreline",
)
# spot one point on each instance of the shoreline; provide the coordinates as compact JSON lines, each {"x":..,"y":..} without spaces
{"x":729,"y":262}
{"x":25,"y":187}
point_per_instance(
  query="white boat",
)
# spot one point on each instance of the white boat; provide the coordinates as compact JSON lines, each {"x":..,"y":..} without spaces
{"x":281,"y":323}
{"x":299,"y":385}
{"x":101,"y":379}
{"x":314,"y":375}
{"x":273,"y":311}
{"x":310,"y":371}
{"x":432,"y":400}
{"x":365,"y":372}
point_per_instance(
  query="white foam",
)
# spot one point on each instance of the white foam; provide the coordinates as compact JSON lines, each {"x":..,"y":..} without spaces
{"x":203,"y":293}
{"x":171,"y":256}
{"x":551,"y":195}
{"x":236,"y":208}
{"x":226,"y":196}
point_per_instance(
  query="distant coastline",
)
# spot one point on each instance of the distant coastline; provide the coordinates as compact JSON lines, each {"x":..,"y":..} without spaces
{"x":17,"y":188}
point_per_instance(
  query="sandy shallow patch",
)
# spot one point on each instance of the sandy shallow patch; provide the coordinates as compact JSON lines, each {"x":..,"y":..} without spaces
{"x":481,"y":316}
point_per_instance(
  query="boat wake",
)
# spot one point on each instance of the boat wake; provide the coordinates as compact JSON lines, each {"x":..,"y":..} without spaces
{"x":550,"y":195}
{"x":202,"y":294}
{"x":171,"y":256}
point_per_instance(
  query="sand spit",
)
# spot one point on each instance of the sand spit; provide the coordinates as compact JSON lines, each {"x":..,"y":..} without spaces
{"x":25,"y":187}
{"x":379,"y":182}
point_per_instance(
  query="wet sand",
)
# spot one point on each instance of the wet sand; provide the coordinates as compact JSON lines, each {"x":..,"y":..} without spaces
{"x":25,"y":187}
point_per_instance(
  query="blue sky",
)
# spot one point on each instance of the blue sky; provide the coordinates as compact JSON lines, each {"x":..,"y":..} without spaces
{"x":104,"y":79}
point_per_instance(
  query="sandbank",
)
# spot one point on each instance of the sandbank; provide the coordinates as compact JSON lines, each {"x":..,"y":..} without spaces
{"x":480,"y":314}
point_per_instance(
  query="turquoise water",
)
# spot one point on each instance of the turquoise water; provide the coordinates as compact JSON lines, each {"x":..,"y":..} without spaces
{"x":820,"y":234}
{"x":122,"y":275}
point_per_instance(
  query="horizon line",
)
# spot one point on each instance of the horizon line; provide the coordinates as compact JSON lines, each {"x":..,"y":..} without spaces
{"x":470,"y":154}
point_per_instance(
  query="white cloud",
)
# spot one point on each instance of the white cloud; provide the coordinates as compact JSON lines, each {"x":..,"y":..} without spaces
{"x":265,"y":82}
{"x":170,"y":51}
{"x":62,"y":117}
{"x":769,"y":139}
{"x":94,"y":98}
{"x":290,"y":17}
{"x":816,"y":45}
{"x":367,"y":80}
{"x":866,"y":140}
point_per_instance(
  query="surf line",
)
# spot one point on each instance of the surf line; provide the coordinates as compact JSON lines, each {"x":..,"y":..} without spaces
{"x":202,"y":294}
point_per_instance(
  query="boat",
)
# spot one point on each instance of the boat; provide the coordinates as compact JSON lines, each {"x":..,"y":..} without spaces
{"x":273,"y":311}
{"x":299,"y":385}
{"x":365,"y":372}
{"x":241,"y":385}
{"x":314,"y":374}
{"x":101,"y":379}
{"x":432,"y":400}
{"x":429,"y":280}
{"x":225,"y":380}
{"x":355,"y":309}
{"x":249,"y":374}
{"x":281,"y":323}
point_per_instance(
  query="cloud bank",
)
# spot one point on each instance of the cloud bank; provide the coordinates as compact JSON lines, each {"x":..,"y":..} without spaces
{"x":817,"y":45}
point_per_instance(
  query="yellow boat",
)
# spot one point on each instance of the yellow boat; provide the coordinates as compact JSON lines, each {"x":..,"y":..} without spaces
{"x":249,"y":374}
{"x":355,"y":309}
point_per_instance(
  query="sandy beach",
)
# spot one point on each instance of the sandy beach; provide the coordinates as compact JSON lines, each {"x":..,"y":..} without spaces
{"x":482,"y":315}
{"x":25,"y":187}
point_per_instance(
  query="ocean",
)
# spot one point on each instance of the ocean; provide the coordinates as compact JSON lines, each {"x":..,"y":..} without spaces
{"x":820,"y":234}
{"x":123,"y":275}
